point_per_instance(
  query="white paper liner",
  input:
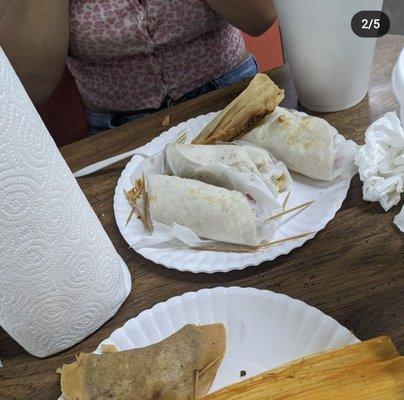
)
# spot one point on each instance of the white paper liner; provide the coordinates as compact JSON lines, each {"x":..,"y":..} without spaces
{"x":381,"y":161}
{"x":224,"y":172}
{"x":344,"y":155}
{"x":174,"y":236}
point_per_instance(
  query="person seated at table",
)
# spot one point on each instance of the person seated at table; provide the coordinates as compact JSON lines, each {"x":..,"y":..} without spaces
{"x":131,"y":57}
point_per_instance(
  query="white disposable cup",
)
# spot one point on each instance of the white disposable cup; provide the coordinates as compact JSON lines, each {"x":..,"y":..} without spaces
{"x":397,"y":82}
{"x":330,"y":65}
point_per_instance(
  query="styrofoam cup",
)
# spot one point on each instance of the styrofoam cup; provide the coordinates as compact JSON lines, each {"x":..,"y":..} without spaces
{"x":330,"y":65}
{"x":397,"y":82}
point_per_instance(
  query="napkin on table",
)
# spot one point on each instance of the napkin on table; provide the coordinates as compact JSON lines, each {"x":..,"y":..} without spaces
{"x":381,"y":161}
{"x":399,"y":220}
{"x":381,"y":164}
{"x":60,"y":276}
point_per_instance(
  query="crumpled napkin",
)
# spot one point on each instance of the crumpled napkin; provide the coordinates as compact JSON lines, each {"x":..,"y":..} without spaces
{"x":381,"y":161}
{"x":399,"y":220}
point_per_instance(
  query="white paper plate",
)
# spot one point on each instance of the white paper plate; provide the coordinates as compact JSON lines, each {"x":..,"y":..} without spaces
{"x":328,"y":197}
{"x":264,"y":329}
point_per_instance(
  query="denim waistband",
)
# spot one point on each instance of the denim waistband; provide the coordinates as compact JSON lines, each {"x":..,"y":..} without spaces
{"x":103,"y":121}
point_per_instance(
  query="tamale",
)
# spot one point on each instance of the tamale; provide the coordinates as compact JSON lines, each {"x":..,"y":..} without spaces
{"x":260,"y":98}
{"x":352,"y":370}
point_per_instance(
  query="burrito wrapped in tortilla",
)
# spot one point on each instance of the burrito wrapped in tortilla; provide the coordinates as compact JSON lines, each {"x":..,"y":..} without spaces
{"x":221,"y":164}
{"x":210,"y":211}
{"x":181,"y":367}
{"x":306,"y":144}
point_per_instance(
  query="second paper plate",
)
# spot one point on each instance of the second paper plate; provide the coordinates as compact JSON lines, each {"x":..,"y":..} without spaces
{"x":264,"y":329}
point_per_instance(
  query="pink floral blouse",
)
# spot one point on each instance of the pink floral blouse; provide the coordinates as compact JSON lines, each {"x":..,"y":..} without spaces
{"x":129,"y":55}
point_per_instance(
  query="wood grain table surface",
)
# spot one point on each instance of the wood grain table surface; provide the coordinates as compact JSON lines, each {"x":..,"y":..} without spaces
{"x":353,"y":270}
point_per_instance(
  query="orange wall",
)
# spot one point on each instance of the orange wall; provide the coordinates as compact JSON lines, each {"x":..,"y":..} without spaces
{"x":64,"y":114}
{"x":267,"y":48}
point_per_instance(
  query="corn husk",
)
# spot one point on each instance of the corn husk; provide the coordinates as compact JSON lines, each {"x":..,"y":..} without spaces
{"x":370,"y":370}
{"x":260,"y":98}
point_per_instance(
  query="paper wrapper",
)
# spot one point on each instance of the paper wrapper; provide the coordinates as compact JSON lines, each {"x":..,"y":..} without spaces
{"x":381,"y":161}
{"x":180,"y":236}
{"x":60,"y":276}
{"x":234,"y":171}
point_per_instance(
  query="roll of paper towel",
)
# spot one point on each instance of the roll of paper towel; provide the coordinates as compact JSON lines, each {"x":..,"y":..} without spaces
{"x":60,"y":276}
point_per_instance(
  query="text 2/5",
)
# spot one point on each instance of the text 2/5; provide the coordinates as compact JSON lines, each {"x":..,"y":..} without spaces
{"x":370,"y":24}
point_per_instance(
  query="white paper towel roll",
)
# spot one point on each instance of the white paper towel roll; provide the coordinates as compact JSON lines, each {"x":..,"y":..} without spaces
{"x":60,"y":276}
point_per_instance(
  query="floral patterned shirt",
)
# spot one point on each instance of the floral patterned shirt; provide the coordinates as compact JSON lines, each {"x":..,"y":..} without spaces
{"x":129,"y":55}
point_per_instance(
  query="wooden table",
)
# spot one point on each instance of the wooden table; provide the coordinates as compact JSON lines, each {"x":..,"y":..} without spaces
{"x":353,"y":270}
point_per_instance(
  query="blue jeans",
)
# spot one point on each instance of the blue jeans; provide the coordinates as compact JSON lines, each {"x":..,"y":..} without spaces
{"x":102,"y":122}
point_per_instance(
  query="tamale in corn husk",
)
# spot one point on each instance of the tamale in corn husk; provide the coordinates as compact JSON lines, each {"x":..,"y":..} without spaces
{"x":260,"y":98}
{"x":366,"y":371}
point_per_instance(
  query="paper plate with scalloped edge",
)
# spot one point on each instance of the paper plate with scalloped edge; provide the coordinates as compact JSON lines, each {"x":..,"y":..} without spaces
{"x":264,"y":329}
{"x":327,"y":196}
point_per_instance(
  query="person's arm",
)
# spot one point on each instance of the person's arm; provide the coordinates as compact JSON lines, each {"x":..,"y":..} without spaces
{"x":253,"y":17}
{"x":34,"y":34}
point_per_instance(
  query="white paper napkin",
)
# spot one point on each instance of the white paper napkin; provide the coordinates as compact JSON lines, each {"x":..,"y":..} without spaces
{"x":399,"y":220}
{"x":60,"y":276}
{"x":381,"y":161}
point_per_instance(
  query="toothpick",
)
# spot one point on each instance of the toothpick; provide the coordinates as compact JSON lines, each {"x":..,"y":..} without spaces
{"x":275,"y":242}
{"x":196,"y":382}
{"x":285,"y":202}
{"x":305,"y":205}
{"x":135,"y":210}
{"x":181,"y":138}
{"x":131,"y":197}
{"x":210,"y":365}
{"x":130,"y":216}
{"x":226,"y":249}
{"x":247,"y":249}
{"x":212,"y":378}
{"x":146,"y":210}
